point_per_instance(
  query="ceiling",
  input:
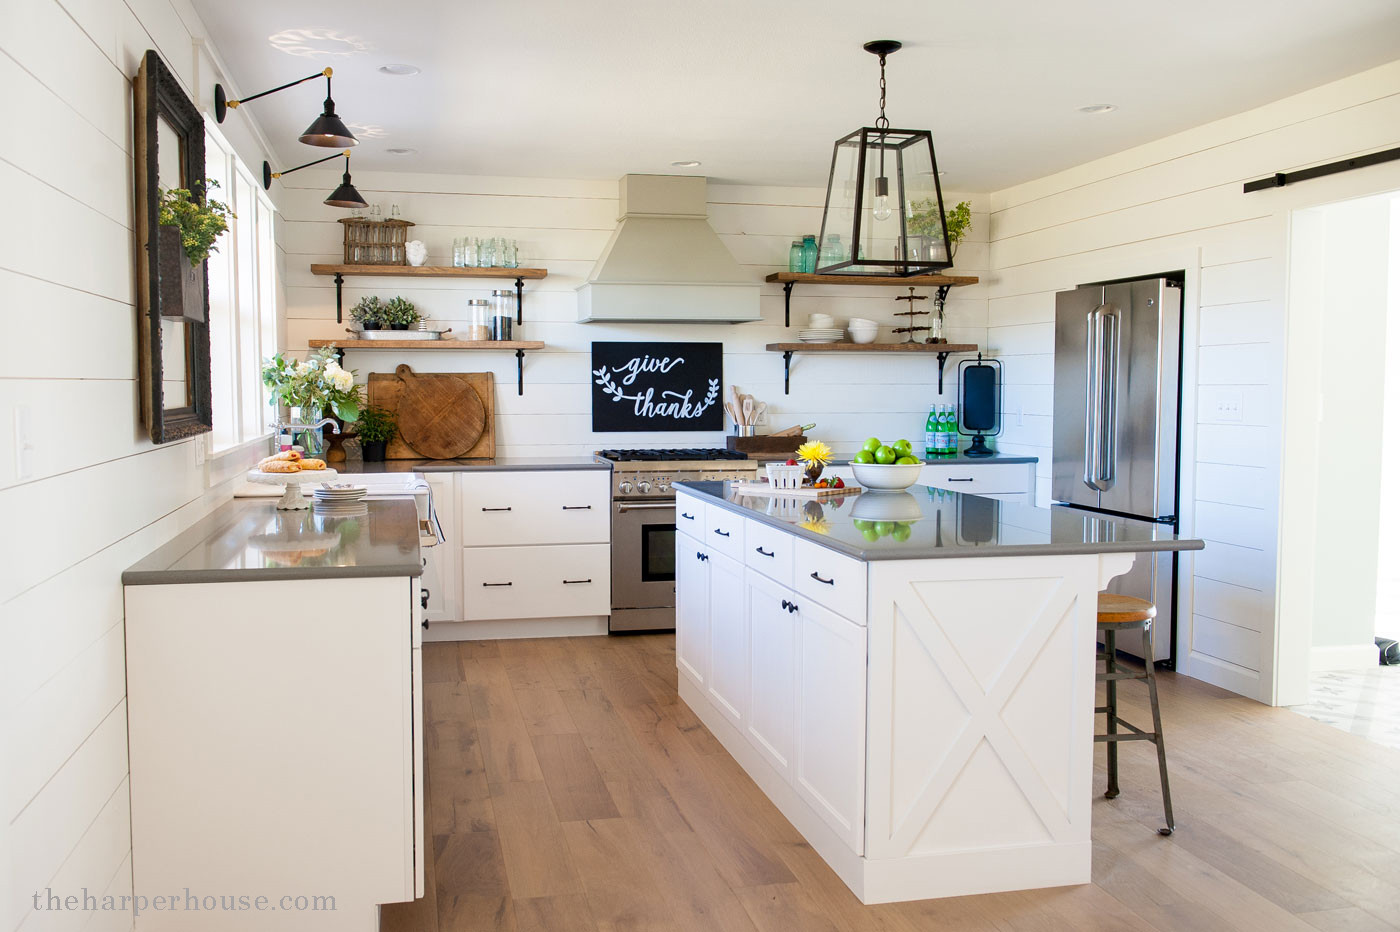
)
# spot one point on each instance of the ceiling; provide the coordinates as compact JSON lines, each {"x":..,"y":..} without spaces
{"x":758,"y":91}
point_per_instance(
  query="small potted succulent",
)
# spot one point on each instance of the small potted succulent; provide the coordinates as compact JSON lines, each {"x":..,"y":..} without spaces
{"x":368,"y":313}
{"x":376,"y":427}
{"x":400,"y":314}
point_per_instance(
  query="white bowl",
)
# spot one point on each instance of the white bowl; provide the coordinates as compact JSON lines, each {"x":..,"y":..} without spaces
{"x":862,"y":322}
{"x":864,"y":336}
{"x":888,"y":478}
{"x":886,"y":506}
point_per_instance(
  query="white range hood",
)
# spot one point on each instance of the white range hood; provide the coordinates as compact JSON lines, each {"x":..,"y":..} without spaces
{"x":664,"y":264}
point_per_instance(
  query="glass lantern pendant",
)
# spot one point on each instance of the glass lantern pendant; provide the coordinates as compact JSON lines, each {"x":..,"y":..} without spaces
{"x":884,"y":205}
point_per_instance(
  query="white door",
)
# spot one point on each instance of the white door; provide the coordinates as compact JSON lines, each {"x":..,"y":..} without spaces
{"x":692,"y":610}
{"x":772,"y":655}
{"x":830,"y":762}
{"x":729,"y":647}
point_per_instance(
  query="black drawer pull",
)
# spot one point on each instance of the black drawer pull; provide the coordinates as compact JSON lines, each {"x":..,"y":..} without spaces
{"x":687,"y":517}
{"x":701,"y":556}
{"x":762,"y":552}
{"x":578,"y":507}
{"x":507,"y":508}
{"x":960,"y":480}
{"x":576,"y":582}
{"x":829,"y":582}
{"x":791,"y":607}
{"x":787,"y":605}
{"x":721,"y":533}
{"x":496,"y":584}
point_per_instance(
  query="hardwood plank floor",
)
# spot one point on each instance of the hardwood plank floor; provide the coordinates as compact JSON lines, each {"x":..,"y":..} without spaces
{"x":569,"y":790}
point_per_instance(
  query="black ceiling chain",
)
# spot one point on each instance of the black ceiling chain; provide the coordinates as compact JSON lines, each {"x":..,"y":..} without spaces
{"x":882,"y":122}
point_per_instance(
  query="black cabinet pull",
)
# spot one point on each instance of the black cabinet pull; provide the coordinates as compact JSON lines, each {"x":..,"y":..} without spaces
{"x":787,"y":605}
{"x":687,"y":517}
{"x":496,"y":584}
{"x":423,"y":596}
{"x":762,"y":552}
{"x":576,"y":582}
{"x":792,"y":607}
{"x":507,"y":508}
{"x":829,"y":582}
{"x":969,"y":479}
{"x":578,"y":507}
{"x":425,"y":624}
{"x":721,"y":533}
{"x":702,"y":556}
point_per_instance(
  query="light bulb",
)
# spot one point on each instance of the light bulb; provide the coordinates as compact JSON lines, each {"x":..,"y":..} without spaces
{"x":882,"y":207}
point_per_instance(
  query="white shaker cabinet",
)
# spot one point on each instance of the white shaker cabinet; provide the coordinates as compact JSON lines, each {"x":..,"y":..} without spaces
{"x":693,"y":612}
{"x":771,"y":721}
{"x":729,"y":655}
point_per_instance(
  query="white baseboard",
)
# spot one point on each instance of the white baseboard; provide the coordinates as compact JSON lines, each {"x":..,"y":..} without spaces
{"x":1345,"y":657}
{"x":586,"y":626}
{"x":1221,"y":673}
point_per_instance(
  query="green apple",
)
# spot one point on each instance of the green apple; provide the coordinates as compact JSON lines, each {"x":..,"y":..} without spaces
{"x":901,"y":531}
{"x":884,"y":528}
{"x":870,"y":534}
{"x":903,"y":447}
{"x":864,"y":457}
{"x":861,"y":524}
{"x":885,"y":455}
{"x":907,"y":460}
{"x":871,"y":444}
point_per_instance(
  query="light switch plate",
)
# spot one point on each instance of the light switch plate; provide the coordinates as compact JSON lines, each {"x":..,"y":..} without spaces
{"x":1229,"y":405}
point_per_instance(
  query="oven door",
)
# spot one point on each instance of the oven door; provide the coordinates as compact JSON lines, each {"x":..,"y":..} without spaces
{"x":643,"y":566}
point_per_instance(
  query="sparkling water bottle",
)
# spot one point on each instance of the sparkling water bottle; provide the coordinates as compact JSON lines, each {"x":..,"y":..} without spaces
{"x":931,"y":433}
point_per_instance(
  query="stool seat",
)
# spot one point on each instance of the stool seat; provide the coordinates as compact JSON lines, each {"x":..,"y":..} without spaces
{"x":1115,"y":609}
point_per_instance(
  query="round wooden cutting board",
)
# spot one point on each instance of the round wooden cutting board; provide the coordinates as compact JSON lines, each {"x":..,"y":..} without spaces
{"x":440,"y":415}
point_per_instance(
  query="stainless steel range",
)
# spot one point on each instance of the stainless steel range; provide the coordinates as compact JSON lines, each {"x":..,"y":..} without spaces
{"x":644,"y":527}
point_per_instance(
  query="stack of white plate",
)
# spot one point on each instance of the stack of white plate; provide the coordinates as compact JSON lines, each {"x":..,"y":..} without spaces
{"x":824,"y":335}
{"x":340,"y":498}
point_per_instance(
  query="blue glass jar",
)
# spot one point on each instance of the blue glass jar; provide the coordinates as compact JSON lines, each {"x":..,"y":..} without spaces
{"x":795,"y":256}
{"x":809,"y":253}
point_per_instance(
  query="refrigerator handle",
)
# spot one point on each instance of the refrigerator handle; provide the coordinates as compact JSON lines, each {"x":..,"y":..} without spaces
{"x":1091,"y":397}
{"x":1108,"y":426}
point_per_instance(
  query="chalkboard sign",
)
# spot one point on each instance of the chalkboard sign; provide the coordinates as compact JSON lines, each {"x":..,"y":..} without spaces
{"x":658,"y":386}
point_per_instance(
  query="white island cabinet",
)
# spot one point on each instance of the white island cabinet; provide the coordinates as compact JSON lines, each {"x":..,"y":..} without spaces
{"x":908,"y":676}
{"x":275,"y":720}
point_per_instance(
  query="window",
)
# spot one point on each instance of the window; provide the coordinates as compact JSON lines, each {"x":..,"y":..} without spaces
{"x":242,"y":300}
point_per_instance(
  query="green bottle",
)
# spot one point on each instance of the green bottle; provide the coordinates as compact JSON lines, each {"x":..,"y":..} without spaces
{"x":931,"y":435}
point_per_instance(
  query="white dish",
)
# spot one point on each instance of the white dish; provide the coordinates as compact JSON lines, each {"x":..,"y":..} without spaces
{"x":864,"y":336}
{"x":890,"y":477}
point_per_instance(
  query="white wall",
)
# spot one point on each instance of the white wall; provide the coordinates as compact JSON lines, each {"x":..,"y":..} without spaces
{"x":100,"y":494}
{"x":1388,"y":555}
{"x":563,"y":225}
{"x":1177,"y":203}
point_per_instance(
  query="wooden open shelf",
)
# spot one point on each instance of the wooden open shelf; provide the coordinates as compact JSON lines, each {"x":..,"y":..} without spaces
{"x":426,"y":271}
{"x":519,"y":346}
{"x":941,"y":282}
{"x":941,"y":350}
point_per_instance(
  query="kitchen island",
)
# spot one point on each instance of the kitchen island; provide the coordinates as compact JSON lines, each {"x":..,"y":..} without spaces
{"x":908,"y":676}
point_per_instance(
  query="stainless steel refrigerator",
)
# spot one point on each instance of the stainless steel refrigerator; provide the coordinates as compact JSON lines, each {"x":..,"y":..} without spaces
{"x":1117,"y":422}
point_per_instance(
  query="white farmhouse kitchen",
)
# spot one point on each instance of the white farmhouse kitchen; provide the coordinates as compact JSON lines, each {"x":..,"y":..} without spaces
{"x":552,"y":467}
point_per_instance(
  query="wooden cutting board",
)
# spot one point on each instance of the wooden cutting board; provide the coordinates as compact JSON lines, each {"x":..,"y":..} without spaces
{"x":441,"y":415}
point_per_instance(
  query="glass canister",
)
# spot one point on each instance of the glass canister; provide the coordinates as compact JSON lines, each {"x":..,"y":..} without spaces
{"x":486,"y":253}
{"x":469,"y":251}
{"x":503,"y":311}
{"x":809,"y":253}
{"x":795,"y":256}
{"x":478,"y":319}
{"x":511,"y":257}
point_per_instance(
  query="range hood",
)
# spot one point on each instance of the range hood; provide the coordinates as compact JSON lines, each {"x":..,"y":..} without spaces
{"x":664,"y":264}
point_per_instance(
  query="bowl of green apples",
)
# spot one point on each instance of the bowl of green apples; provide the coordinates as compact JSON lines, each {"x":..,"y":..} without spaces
{"x":887,"y":467}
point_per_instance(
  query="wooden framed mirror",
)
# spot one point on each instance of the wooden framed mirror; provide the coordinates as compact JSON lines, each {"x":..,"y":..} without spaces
{"x":172,"y":307}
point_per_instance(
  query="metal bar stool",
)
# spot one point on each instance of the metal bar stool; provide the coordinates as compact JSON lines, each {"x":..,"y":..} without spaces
{"x":1124,"y":613}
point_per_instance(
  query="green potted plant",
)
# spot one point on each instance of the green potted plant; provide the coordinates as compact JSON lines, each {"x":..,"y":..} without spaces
{"x":924,"y":223}
{"x":368,"y":313}
{"x":400,"y":314}
{"x":189,"y":228}
{"x":376,"y":428}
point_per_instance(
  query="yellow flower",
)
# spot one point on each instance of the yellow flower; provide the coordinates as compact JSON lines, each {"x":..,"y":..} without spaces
{"x":813,"y":452}
{"x":819,"y":525}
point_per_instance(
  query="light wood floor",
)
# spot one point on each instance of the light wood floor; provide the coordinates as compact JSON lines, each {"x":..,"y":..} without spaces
{"x":569,"y":789}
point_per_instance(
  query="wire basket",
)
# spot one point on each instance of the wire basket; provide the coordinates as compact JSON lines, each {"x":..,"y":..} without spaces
{"x":375,"y":242}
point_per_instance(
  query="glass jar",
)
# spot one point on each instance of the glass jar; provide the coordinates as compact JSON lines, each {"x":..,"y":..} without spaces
{"x":795,"y":256}
{"x":511,"y":257}
{"x":479,"y":315}
{"x":809,"y":253}
{"x":502,"y":308}
{"x":486,"y":253}
{"x":831,"y":252}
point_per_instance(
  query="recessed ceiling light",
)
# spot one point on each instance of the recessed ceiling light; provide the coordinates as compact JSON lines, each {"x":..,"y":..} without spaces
{"x":400,"y":70}
{"x":401,"y":151}
{"x":686,"y":163}
{"x":1098,"y":108}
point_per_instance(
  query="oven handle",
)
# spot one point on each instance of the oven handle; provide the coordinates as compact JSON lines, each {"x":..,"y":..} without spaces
{"x":624,"y":507}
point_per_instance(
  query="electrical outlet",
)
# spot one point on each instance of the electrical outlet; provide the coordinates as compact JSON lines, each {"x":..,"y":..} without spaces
{"x":1229,"y":406}
{"x":24,"y":443}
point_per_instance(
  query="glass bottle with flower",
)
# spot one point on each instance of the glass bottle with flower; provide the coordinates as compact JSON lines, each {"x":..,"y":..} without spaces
{"x":814,"y":456}
{"x":308,"y":387}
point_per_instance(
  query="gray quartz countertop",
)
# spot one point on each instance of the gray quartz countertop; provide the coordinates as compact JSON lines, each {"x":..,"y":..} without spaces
{"x":498,"y":464}
{"x":926,"y":523}
{"x":250,"y":540}
{"x":962,"y":459}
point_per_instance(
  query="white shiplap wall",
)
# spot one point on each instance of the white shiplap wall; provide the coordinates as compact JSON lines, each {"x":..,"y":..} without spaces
{"x":563,"y":225}
{"x":1177,"y":203}
{"x":100,"y":495}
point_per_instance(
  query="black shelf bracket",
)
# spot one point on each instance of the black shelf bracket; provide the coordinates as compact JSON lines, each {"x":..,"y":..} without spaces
{"x":339,"y":281}
{"x":519,"y":302}
{"x":787,"y":303}
{"x":942,"y":358}
{"x":520,"y":372}
{"x":787,"y":369}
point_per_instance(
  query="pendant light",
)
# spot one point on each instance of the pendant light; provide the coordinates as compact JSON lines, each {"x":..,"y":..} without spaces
{"x":884,"y":204}
{"x":343,"y":196}
{"x":327,"y":130}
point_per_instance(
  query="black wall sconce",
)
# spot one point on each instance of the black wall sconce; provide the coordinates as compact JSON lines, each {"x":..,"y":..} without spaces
{"x":327,"y":130}
{"x":343,"y":196}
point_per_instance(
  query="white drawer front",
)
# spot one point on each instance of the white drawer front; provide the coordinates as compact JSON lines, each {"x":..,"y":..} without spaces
{"x":536,"y":582}
{"x":508,"y":508}
{"x":836,"y":581}
{"x":979,"y":478}
{"x":690,"y":515}
{"x":769,"y":551}
{"x":724,"y":531}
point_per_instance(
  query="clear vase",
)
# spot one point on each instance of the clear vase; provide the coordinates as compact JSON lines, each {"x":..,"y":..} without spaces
{"x":310,"y":440}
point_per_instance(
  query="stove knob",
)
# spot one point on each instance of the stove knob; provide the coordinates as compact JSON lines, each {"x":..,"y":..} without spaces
{"x":664,"y":487}
{"x":643,"y":486}
{"x":624,"y":487}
